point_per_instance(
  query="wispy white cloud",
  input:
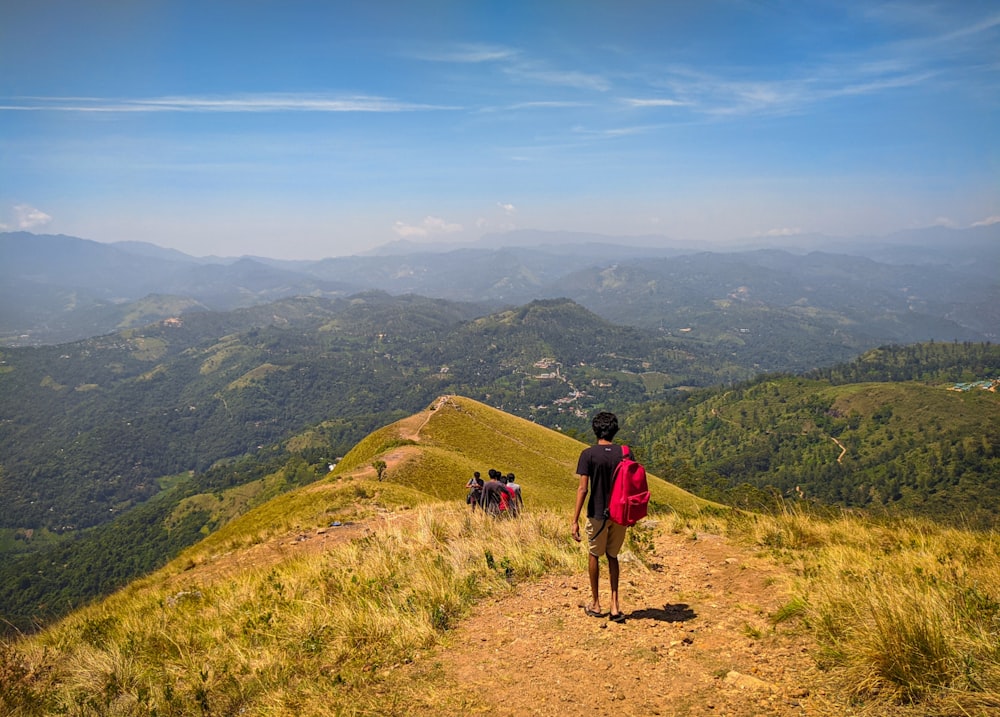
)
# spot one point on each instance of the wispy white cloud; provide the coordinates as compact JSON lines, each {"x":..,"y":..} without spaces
{"x":945,"y":222}
{"x":960,"y":33}
{"x":429,"y":226}
{"x":468,"y":53}
{"x":878,"y":85}
{"x":780,"y":232}
{"x":507,"y":208}
{"x":532,"y":72}
{"x":654,"y":102}
{"x":956,"y":54}
{"x":517,"y":66}
{"x":612,"y":132}
{"x":719,"y":96}
{"x":535,"y":105}
{"x":983,"y":25}
{"x":234,"y":104}
{"x":988,"y":221}
{"x":545,"y":104}
{"x":25,"y":217}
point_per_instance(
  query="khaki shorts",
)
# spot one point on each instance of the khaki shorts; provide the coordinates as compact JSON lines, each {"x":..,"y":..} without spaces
{"x":605,"y":537}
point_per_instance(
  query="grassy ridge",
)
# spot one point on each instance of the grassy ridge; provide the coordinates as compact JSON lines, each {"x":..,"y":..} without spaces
{"x":252,"y":621}
{"x":460,"y":435}
{"x":242,"y":621}
{"x":906,"y":611}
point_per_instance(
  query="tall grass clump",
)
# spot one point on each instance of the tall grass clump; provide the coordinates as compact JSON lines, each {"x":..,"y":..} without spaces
{"x":907,"y":610}
{"x":307,"y":636}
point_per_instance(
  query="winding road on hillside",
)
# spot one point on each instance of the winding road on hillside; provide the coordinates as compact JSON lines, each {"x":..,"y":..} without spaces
{"x":843,"y":448}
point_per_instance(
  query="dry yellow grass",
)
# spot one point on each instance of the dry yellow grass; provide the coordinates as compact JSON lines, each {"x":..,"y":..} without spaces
{"x":906,"y":616}
{"x":907,"y":611}
{"x":299,"y":637}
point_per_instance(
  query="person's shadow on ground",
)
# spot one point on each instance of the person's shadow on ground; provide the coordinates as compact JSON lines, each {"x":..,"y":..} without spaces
{"x":681,"y":612}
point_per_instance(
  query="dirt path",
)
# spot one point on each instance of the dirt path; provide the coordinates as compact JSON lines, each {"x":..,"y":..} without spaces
{"x":697,"y":641}
{"x":843,"y":449}
{"x":410,"y":428}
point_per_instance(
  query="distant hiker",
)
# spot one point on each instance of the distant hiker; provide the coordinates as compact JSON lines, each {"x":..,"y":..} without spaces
{"x":514,"y":488}
{"x":475,"y":486}
{"x":495,"y":495}
{"x":508,"y":505}
{"x":594,"y":470}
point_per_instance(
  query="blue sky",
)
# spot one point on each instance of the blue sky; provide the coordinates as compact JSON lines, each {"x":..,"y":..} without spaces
{"x":311,"y":129}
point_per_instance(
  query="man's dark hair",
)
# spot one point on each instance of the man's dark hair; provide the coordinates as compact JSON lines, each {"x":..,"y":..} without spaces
{"x":605,"y":425}
{"x":475,"y":474}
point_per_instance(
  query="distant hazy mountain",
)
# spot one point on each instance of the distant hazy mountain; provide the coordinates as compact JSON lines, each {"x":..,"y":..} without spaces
{"x":822,"y":298}
{"x":553,"y":241}
{"x":56,"y":288}
{"x":141,"y":248}
{"x":537,"y":238}
{"x":976,"y":249}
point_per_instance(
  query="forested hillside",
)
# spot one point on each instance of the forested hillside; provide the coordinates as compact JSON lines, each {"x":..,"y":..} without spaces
{"x":777,"y":311}
{"x":90,"y":429}
{"x":53,"y":580}
{"x":885,"y":432}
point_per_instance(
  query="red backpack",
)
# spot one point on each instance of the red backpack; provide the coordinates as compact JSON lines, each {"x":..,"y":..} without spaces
{"x":629,"y":491}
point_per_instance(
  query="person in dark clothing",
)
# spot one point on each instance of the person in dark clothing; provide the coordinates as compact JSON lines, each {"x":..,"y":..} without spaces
{"x":595,"y":470}
{"x":475,"y":486}
{"x":492,"y":493}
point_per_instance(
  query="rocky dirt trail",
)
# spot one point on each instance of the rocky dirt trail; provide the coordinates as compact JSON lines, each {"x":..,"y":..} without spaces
{"x":697,"y":640}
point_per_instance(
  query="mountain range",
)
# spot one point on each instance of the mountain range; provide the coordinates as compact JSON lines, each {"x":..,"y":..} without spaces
{"x":770,"y":308}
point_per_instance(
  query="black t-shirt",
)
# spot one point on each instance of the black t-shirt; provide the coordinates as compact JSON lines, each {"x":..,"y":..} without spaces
{"x":599,"y":463}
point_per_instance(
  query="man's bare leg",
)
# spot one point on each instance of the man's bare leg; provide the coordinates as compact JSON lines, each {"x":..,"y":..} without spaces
{"x":613,"y":576}
{"x":594,"y":570}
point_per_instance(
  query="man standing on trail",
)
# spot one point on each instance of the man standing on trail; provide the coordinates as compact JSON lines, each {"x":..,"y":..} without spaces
{"x":595,"y":470}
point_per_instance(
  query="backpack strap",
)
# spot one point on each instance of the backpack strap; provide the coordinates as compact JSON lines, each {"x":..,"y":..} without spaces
{"x":625,"y":451}
{"x":603,"y":526}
